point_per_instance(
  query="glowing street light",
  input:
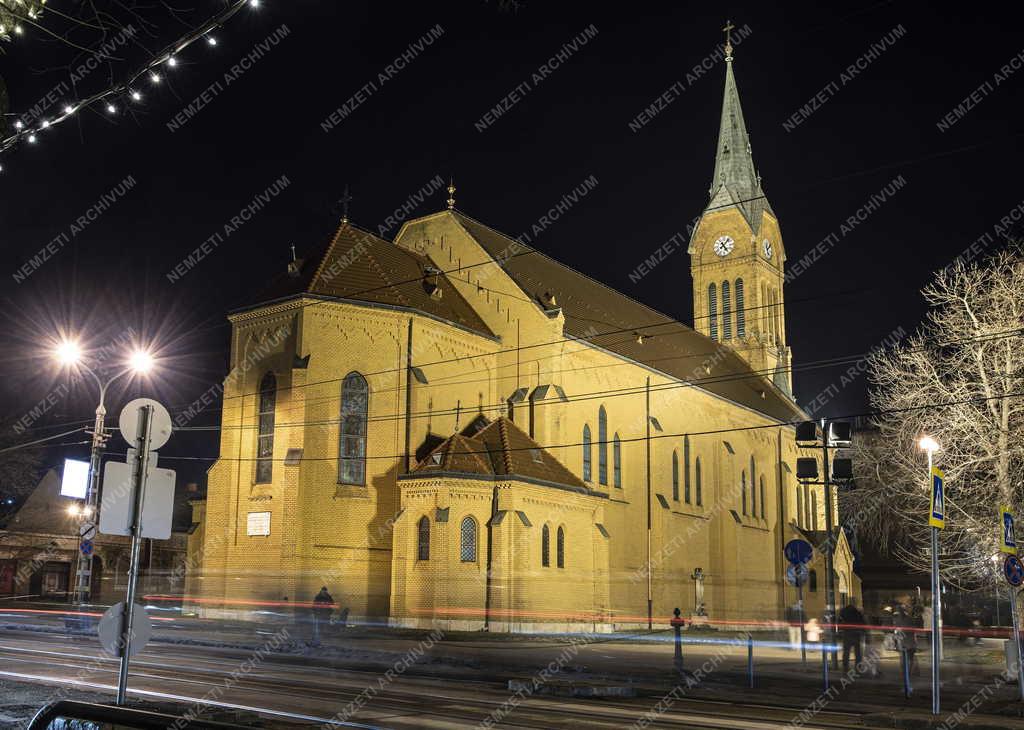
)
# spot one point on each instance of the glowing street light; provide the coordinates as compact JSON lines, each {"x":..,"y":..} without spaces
{"x":927,"y":443}
{"x":141,"y":362}
{"x":68,"y":352}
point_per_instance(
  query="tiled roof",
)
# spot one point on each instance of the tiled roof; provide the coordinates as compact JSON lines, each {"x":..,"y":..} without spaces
{"x":610,"y":319}
{"x":499,"y":449}
{"x":357,"y":265}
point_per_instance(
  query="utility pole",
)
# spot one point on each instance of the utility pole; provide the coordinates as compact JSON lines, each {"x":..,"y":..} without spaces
{"x":650,"y":568}
{"x":83,"y":575}
{"x":830,"y":584}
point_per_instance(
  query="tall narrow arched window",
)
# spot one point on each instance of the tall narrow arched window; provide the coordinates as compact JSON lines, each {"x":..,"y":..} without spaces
{"x":602,"y":445}
{"x":812,"y":581}
{"x":265,"y":432}
{"x":712,"y":311}
{"x":686,"y":469}
{"x":560,"y":547}
{"x":741,"y":317}
{"x":545,"y":546}
{"x":675,"y":475}
{"x":753,"y":488}
{"x":743,"y":489}
{"x":587,"y":476}
{"x":762,"y":497}
{"x":423,"y":538}
{"x":814,"y":511}
{"x":617,"y":461}
{"x":355,"y":396}
{"x":697,"y":483}
{"x":726,"y":313}
{"x":799,"y":505}
{"x":467,"y":540}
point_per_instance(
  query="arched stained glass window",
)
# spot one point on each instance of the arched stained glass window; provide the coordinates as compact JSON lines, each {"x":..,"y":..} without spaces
{"x":741,"y":317}
{"x":265,"y":426}
{"x":560,"y":547}
{"x":467,"y":540}
{"x":545,"y":546}
{"x":587,"y":475}
{"x":713,"y":311}
{"x":355,"y":396}
{"x":617,"y":461}
{"x":602,"y":445}
{"x":726,"y":313}
{"x":423,"y":539}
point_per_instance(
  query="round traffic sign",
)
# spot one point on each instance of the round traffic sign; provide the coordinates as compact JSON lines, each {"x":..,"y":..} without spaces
{"x":86,"y":547}
{"x":109,"y":629}
{"x":798,"y":551}
{"x":160,"y":428}
{"x":1013,"y":569}
{"x":796,"y":574}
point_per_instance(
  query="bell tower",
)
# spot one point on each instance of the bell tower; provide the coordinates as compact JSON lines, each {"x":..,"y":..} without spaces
{"x":736,"y":252}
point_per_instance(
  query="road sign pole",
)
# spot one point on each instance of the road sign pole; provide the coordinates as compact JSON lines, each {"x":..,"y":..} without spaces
{"x":936,"y":591}
{"x":1016,"y":641}
{"x":800,"y":616}
{"x":141,"y":465}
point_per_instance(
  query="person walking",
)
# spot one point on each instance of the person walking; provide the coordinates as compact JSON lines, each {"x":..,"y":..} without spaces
{"x":851,"y":623}
{"x":794,"y":622}
{"x":323,"y":605}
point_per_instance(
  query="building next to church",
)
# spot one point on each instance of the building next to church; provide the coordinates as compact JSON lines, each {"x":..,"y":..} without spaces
{"x":455,"y":429}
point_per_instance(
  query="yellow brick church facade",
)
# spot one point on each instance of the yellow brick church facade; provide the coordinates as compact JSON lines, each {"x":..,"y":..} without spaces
{"x":454,"y":429}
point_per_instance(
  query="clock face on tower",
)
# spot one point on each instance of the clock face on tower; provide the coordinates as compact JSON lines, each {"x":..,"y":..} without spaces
{"x":767,"y":248}
{"x":723,"y":246}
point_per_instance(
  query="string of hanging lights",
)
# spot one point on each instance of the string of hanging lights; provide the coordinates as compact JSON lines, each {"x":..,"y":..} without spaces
{"x":118,"y":95}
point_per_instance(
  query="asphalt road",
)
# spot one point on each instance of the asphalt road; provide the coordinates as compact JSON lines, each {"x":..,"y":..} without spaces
{"x":299,"y":688}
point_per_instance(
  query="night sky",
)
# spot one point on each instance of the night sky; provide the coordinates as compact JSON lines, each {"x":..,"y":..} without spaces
{"x":422,"y":122}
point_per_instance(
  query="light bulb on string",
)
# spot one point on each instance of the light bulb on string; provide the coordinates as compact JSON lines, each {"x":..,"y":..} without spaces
{"x":155,"y":78}
{"x":31,"y":139}
{"x":44,"y":124}
{"x":69,"y":109}
{"x":111,"y":109}
{"x":19,"y":124}
{"x":254,"y":3}
{"x":136,"y":96}
{"x":172,"y":61}
{"x":18,"y":30}
{"x":212,"y":40}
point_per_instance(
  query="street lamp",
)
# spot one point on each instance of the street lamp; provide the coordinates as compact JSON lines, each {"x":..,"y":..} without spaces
{"x":69,"y":354}
{"x":930,"y":445}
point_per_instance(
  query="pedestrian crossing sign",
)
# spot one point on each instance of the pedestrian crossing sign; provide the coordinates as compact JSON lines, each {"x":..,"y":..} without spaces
{"x":1007,"y":542}
{"x":937,"y":515}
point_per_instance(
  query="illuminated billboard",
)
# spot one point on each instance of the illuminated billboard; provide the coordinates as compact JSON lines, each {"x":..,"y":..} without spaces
{"x":75,"y":480}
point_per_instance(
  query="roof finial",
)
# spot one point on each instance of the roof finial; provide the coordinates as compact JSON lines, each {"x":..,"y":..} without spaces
{"x":451,"y":194}
{"x":345,"y":199}
{"x":293,"y":253}
{"x":728,"y":40}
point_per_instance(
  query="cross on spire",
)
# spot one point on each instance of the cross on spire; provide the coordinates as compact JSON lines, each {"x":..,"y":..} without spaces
{"x":728,"y":29}
{"x":345,"y":199}
{"x":451,"y":194}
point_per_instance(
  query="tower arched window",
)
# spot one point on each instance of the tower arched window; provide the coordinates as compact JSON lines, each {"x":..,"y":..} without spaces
{"x":602,"y":445}
{"x":675,"y":475}
{"x":587,"y":476}
{"x":423,"y":538}
{"x":814,"y":511}
{"x":743,"y":489}
{"x":799,"y":506}
{"x":355,"y":396}
{"x":560,"y":547}
{"x":762,"y":497}
{"x":467,"y":540}
{"x":697,"y":483}
{"x":265,"y":429}
{"x":753,"y":488}
{"x":713,"y":311}
{"x":617,"y":461}
{"x":741,"y":317}
{"x":726,"y":313}
{"x":545,"y":546}
{"x":686,"y":469}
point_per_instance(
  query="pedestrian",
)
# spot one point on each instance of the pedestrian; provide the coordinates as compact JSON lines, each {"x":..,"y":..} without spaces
{"x":813,"y":630}
{"x":906,"y":638}
{"x":851,"y":624}
{"x":323,"y":605}
{"x":794,"y":620}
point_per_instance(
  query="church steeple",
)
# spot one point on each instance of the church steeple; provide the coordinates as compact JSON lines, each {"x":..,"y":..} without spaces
{"x":735,"y":180}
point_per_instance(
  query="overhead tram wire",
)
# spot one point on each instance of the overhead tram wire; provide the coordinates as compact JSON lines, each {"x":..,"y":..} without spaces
{"x":39,"y":441}
{"x":627,"y":391}
{"x":594,"y":395}
{"x":637,"y":439}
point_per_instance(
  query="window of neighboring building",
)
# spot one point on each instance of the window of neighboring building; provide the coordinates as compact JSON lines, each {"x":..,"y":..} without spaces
{"x":713,"y":311}
{"x":726,"y":313}
{"x":675,"y":476}
{"x":560,"y":547}
{"x":617,"y":461}
{"x":741,"y":319}
{"x":355,"y":395}
{"x":545,"y":546}
{"x":586,"y":453}
{"x":686,"y":469}
{"x":265,"y":426}
{"x":467,"y":550}
{"x":423,"y":539}
{"x":602,"y":446}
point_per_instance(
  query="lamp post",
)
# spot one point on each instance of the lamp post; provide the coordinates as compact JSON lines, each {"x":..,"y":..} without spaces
{"x":69,"y":354}
{"x":930,"y":445}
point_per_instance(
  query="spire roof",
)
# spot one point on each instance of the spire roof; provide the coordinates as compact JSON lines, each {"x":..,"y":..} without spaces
{"x":736,"y":181}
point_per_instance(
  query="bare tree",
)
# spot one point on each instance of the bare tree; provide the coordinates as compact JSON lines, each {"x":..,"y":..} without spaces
{"x":960,"y":380}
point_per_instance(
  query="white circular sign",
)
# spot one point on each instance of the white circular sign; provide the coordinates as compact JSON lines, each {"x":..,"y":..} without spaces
{"x":109,"y":629}
{"x":160,"y":428}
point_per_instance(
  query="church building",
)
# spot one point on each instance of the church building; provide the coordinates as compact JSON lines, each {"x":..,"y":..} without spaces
{"x":455,"y":429}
